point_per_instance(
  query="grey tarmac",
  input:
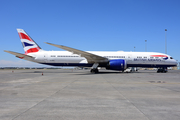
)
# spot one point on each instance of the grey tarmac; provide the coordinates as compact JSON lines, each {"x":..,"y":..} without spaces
{"x":79,"y":95}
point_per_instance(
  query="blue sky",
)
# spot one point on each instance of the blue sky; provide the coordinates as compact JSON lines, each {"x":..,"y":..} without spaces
{"x":90,"y":25}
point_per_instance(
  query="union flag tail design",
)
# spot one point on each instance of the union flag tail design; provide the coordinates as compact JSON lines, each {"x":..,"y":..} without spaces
{"x":29,"y":45}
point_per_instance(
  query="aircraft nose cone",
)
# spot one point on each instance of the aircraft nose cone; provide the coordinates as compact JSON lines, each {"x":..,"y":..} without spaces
{"x":175,"y":62}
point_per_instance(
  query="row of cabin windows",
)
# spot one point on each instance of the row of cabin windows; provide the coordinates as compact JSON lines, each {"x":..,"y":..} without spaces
{"x":63,"y":56}
{"x":147,"y":57}
{"x":114,"y":56}
{"x":143,"y":57}
{"x":107,"y":56}
{"x":78,"y":56}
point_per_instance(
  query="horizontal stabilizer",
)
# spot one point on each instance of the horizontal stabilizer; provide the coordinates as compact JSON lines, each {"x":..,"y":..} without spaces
{"x":91,"y":58}
{"x":19,"y":55}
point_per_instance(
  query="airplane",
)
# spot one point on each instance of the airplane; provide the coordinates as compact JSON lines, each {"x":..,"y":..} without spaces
{"x":118,"y":61}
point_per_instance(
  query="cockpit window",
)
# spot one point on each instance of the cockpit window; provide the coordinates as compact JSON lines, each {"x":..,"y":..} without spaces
{"x":171,"y":58}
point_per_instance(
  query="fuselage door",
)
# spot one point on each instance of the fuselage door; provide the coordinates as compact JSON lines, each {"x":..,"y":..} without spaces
{"x":45,"y":57}
{"x":129,"y":58}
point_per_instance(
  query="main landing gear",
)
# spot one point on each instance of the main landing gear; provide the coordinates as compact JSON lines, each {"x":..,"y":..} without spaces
{"x":94,"y":68}
{"x":162,"y":70}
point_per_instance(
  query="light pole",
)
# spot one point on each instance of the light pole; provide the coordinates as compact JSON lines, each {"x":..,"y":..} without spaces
{"x":146,"y":45}
{"x":134,"y":48}
{"x":165,"y":42}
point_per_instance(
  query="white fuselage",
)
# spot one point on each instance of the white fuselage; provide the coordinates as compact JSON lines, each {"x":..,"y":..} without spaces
{"x":133,"y":59}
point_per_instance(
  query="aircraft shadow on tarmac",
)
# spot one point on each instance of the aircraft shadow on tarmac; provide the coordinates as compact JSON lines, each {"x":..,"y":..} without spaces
{"x":104,"y":72}
{"x":77,"y":72}
{"x":84,"y":72}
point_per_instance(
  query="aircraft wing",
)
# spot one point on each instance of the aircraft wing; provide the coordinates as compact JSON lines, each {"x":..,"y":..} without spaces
{"x":91,"y":58}
{"x":19,"y":55}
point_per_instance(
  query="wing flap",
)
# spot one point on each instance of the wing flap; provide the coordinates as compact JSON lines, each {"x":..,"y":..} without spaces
{"x":91,"y":58}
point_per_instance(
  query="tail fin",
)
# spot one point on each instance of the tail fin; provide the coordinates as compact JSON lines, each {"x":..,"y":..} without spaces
{"x":29,"y":45}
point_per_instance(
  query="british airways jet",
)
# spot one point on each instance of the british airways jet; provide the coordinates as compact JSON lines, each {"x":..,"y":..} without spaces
{"x":119,"y":61}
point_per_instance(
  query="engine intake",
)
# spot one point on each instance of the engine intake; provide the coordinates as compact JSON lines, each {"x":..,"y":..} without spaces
{"x":117,"y":64}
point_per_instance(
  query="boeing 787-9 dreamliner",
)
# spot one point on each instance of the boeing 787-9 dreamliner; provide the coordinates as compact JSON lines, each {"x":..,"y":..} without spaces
{"x":119,"y":61}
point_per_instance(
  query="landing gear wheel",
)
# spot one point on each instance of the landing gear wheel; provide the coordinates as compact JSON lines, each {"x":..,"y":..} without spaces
{"x":94,"y":70}
{"x":162,"y":70}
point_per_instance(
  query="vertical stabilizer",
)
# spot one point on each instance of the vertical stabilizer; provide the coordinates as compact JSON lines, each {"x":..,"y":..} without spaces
{"x":28,"y":43}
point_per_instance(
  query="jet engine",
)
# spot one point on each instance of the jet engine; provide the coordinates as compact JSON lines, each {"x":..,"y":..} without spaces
{"x":117,"y":64}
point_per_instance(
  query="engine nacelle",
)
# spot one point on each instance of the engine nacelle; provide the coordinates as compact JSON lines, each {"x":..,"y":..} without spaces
{"x":117,"y":64}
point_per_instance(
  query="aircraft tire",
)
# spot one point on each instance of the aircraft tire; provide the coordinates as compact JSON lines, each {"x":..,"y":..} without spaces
{"x":94,"y":71}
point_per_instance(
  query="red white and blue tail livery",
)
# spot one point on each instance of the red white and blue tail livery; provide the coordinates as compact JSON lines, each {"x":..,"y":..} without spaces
{"x":73,"y":57}
{"x":29,"y":45}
